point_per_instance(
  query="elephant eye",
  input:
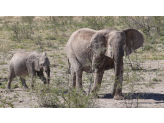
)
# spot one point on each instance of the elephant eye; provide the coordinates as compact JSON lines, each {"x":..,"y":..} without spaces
{"x":42,"y":64}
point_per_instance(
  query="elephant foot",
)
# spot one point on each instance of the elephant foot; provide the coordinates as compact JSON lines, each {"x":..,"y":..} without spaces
{"x":118,"y":97}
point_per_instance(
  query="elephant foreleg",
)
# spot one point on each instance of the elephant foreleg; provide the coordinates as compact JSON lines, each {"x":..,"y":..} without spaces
{"x":33,"y":79}
{"x":97,"y":81}
{"x":117,"y":89}
{"x":23,"y":82}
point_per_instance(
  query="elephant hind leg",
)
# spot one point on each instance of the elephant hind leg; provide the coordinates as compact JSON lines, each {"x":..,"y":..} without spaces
{"x":69,"y":67}
{"x":79,"y":79}
{"x":23,"y":82}
{"x":72,"y":84}
{"x":76,"y":73}
{"x":10,"y":78}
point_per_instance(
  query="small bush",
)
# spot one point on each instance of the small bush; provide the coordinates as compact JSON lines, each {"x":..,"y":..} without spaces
{"x":4,"y":102}
{"x":148,"y":47}
{"x":157,"y":80}
{"x":50,"y":38}
{"x":3,"y":86}
{"x":38,"y":39}
{"x":5,"y":46}
{"x":27,"y":19}
{"x":99,"y":22}
{"x":59,"y":97}
{"x":161,"y":40}
{"x":20,"y":31}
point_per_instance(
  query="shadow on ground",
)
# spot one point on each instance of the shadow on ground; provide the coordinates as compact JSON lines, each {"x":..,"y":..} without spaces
{"x":154,"y":96}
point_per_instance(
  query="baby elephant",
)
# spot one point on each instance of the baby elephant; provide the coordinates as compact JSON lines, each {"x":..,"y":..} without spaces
{"x":28,"y":63}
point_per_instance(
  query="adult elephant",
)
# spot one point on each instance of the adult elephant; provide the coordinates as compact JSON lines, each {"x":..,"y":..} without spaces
{"x":28,"y":63}
{"x":96,"y":51}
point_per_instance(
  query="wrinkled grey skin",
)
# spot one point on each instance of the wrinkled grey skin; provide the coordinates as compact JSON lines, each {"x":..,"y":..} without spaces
{"x":96,"y":51}
{"x":28,"y":63}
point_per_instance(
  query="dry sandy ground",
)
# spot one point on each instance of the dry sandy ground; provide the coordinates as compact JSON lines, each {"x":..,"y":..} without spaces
{"x":145,"y":94}
{"x":149,"y":98}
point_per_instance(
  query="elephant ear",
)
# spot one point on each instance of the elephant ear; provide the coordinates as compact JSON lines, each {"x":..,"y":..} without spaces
{"x":32,"y":63}
{"x":134,"y":40}
{"x":98,"y":43}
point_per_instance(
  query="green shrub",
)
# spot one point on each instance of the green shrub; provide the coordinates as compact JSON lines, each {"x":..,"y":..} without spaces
{"x":27,"y":19}
{"x":147,"y":47}
{"x":161,"y":39}
{"x":4,"y":102}
{"x":156,"y":79}
{"x":99,"y":22}
{"x":60,"y":97}
{"x":50,"y":38}
{"x":20,"y":31}
{"x":151,"y":26}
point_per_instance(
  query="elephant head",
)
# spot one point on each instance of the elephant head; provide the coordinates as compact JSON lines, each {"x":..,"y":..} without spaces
{"x":44,"y":64}
{"x":38,"y":62}
{"x":113,"y":44}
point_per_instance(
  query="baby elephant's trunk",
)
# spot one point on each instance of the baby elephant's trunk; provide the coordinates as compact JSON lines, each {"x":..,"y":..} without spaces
{"x":48,"y":75}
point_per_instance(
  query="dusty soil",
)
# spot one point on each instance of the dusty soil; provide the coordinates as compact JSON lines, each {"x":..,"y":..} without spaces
{"x":146,"y":93}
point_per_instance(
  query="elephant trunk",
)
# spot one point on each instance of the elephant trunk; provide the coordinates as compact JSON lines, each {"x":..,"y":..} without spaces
{"x":118,"y":60}
{"x":47,"y":71}
{"x":48,"y":75}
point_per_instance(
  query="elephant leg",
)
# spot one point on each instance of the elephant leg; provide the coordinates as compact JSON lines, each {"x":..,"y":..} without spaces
{"x":76,"y":74}
{"x":79,"y":80}
{"x":97,"y":81}
{"x":72,"y":84}
{"x":33,"y":78}
{"x":23,"y":82}
{"x":32,"y":81}
{"x":117,"y":89}
{"x":11,"y":77}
